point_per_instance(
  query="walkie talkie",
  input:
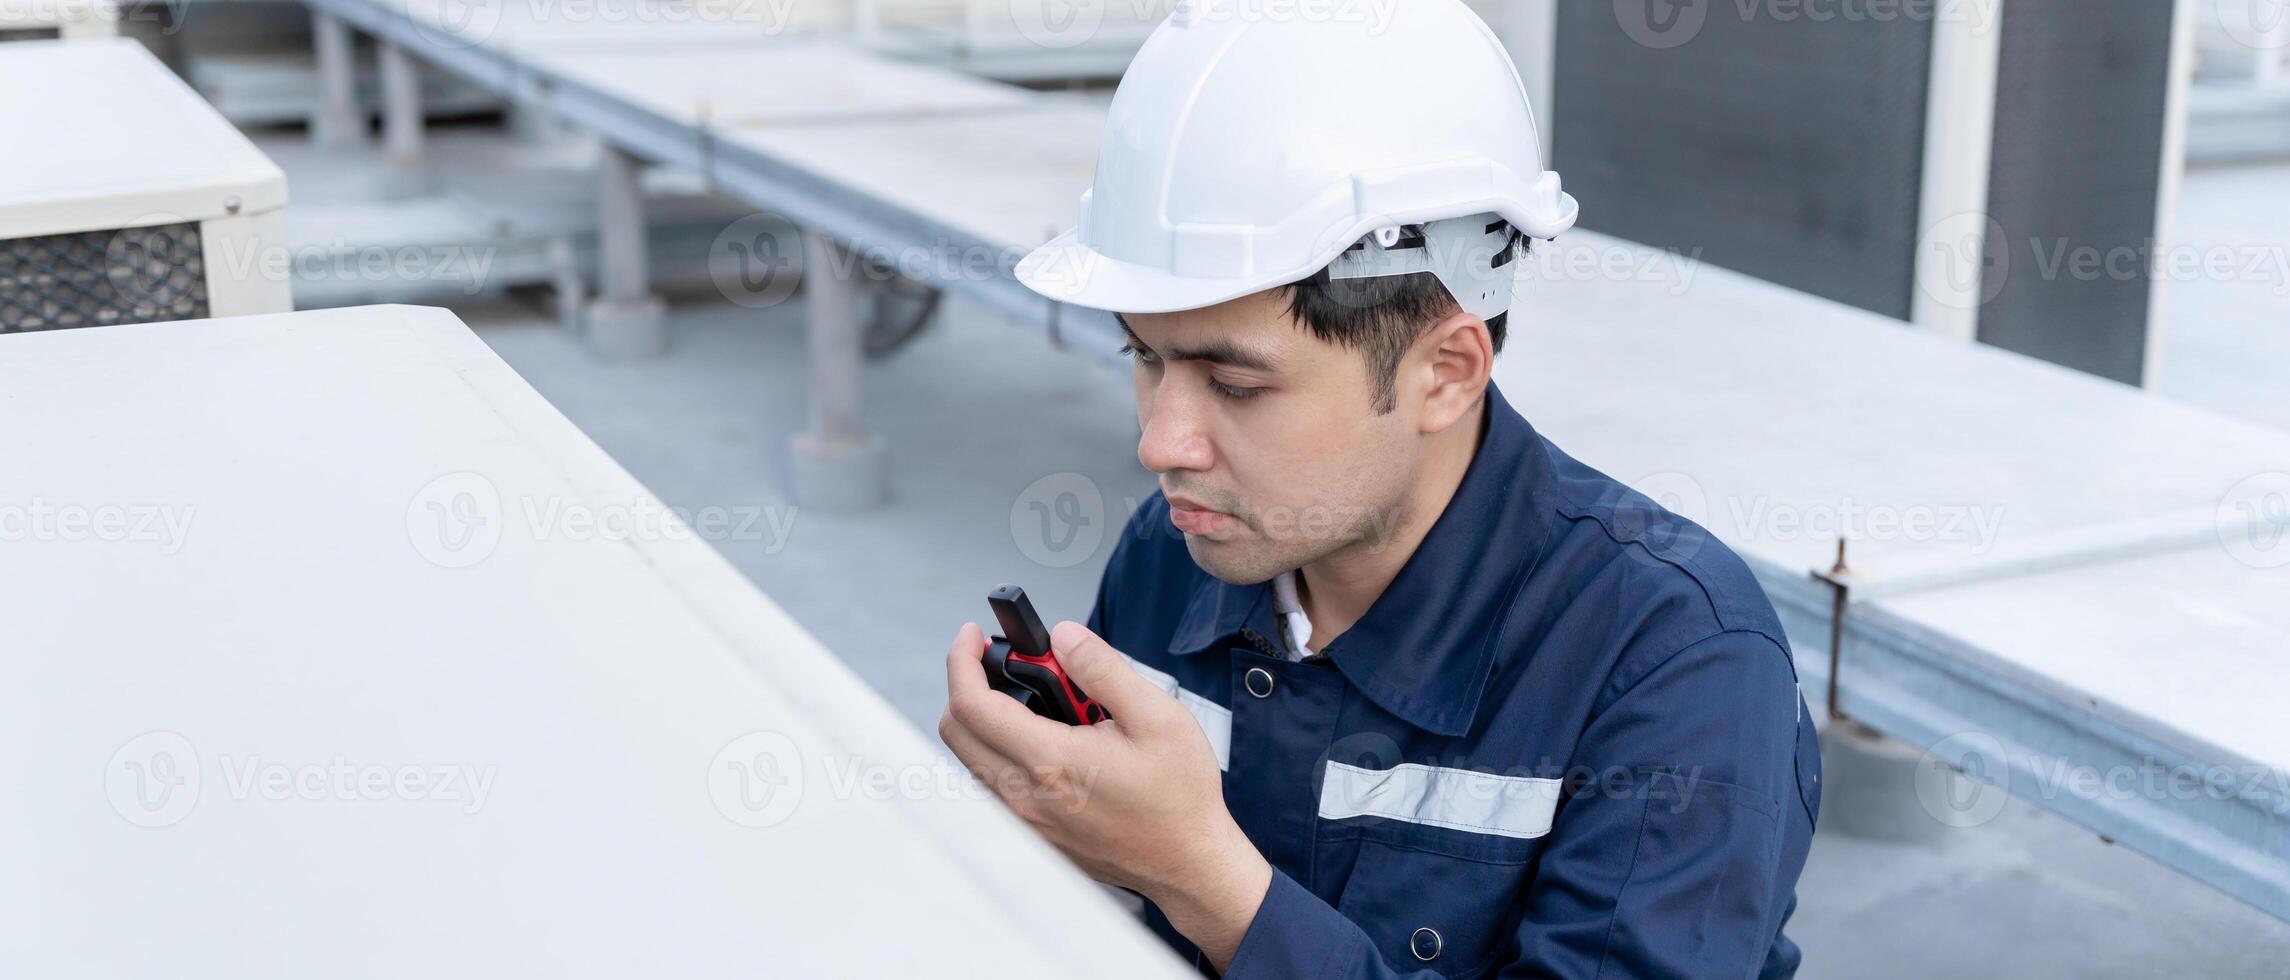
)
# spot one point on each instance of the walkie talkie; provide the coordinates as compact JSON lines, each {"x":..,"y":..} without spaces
{"x":1019,"y":663}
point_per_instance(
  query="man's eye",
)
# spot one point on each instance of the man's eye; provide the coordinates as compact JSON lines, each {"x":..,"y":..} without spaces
{"x":1224,"y":390}
{"x":1142,"y":355}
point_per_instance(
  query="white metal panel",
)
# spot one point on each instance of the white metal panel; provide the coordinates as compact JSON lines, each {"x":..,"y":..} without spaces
{"x":1773,"y":418}
{"x":795,"y":80}
{"x":101,"y":135}
{"x":2194,"y":638}
{"x":520,"y":26}
{"x":1018,"y":39}
{"x":371,"y":555}
{"x":250,"y":266}
{"x":1003,"y":180}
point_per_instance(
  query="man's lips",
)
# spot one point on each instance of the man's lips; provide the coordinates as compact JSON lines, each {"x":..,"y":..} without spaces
{"x":1192,"y":518}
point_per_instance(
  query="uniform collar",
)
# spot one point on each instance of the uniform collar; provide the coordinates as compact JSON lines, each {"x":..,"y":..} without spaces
{"x":1426,"y":647}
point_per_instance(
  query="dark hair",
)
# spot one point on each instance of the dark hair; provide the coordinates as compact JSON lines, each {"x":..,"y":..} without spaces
{"x":1383,"y":317}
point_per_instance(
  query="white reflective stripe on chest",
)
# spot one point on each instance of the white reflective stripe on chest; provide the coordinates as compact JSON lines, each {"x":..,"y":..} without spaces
{"x":1457,"y":799}
{"x":1215,"y":719}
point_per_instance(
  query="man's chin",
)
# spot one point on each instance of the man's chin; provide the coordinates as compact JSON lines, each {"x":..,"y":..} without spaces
{"x":1230,"y":563}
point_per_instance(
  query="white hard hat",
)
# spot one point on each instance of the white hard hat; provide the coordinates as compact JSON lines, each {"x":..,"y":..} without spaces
{"x":1250,"y":146}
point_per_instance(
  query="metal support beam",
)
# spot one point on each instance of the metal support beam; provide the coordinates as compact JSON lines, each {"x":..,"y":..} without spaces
{"x":1952,"y":214}
{"x":1529,"y":29}
{"x":620,"y":244}
{"x":626,"y":319}
{"x":339,"y":124}
{"x":837,"y":464}
{"x":837,"y":356}
{"x":401,"y":108}
{"x":2174,"y":174}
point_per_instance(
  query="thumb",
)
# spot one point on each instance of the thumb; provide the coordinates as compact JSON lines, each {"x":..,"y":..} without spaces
{"x":1105,"y":675}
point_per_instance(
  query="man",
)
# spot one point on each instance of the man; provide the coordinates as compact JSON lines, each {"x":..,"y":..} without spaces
{"x":1396,"y":686}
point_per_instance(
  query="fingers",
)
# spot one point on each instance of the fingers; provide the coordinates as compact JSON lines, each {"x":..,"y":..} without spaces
{"x":982,"y":761}
{"x":1011,"y":783}
{"x":966,"y":680}
{"x":996,"y":720}
{"x":965,"y":662}
{"x":1105,"y":675}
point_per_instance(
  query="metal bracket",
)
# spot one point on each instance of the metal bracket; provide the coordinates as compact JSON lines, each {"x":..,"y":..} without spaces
{"x":1840,"y":586}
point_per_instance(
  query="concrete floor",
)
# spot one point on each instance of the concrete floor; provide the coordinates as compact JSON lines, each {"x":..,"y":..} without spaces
{"x":977,"y":411}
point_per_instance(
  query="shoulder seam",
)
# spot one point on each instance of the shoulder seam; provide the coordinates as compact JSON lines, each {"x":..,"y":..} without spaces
{"x":1690,"y":567}
{"x":1780,"y":646}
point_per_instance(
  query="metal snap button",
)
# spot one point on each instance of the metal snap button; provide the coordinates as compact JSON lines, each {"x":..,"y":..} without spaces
{"x":1258,"y":681}
{"x":1425,"y":944}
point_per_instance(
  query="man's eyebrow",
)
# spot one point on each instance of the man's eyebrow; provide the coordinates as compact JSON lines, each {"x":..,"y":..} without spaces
{"x":1222,"y":352}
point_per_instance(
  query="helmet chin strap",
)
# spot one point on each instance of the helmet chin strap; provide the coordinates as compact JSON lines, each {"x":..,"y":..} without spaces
{"x":1471,"y":256}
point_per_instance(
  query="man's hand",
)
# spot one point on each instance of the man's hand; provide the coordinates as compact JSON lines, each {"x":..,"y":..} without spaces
{"x":1136,"y":801}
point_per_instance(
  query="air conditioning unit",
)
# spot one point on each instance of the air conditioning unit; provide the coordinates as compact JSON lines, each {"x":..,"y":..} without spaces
{"x":48,"y":20}
{"x":125,"y":198}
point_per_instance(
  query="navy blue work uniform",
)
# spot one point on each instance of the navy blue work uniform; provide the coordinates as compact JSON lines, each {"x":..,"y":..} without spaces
{"x":1566,"y":741}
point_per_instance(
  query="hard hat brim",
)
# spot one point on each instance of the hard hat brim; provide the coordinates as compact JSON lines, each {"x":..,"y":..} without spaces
{"x":1066,"y":270}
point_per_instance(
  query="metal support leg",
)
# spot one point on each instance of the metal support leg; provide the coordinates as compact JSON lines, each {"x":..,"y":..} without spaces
{"x":401,"y":108}
{"x":1882,"y":788}
{"x":570,"y":292}
{"x":625,"y":319}
{"x":837,"y":464}
{"x":530,"y":124}
{"x":338,"y":123}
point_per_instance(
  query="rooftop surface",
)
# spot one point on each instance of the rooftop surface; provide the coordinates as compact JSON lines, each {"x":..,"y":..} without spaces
{"x":986,"y":420}
{"x":980,"y":414}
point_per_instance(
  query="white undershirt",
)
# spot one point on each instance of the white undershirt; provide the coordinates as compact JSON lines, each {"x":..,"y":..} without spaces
{"x":1292,"y":618}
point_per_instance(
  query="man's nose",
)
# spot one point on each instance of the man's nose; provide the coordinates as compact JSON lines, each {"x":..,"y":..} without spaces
{"x":1175,"y":435}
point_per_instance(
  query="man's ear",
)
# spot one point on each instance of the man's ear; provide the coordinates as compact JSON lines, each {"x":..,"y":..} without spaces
{"x":1453,"y":359}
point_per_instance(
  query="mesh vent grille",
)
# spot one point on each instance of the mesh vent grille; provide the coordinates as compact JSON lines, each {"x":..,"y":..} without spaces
{"x":2080,"y":108}
{"x":96,"y":278}
{"x":1787,"y":147}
